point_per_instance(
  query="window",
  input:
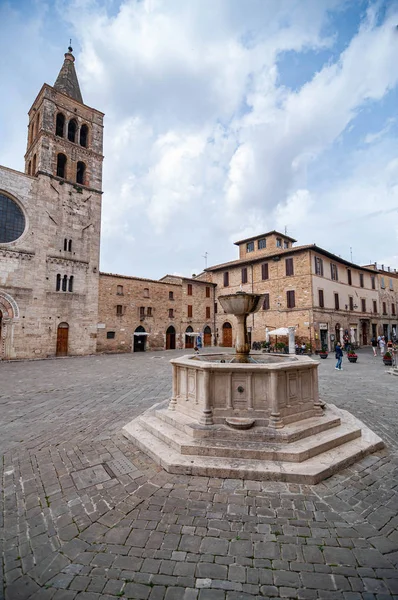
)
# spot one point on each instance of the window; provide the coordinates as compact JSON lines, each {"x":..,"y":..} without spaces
{"x":393,"y":308}
{"x":80,"y":173}
{"x":250,"y":247}
{"x":215,"y":307}
{"x":361,"y":281}
{"x":189,"y":310}
{"x":70,"y":246}
{"x":336,"y":302}
{"x":119,"y":310}
{"x":289,"y":266}
{"x":83,"y":136}
{"x":290,"y":297}
{"x":266,"y":302}
{"x":374,"y":306}
{"x":30,"y":168}
{"x":349,"y":277}
{"x":37,"y":123}
{"x":72,"y":127}
{"x":149,"y":311}
{"x":142,"y":311}
{"x":382,"y":284}
{"x":373,"y":280}
{"x":189,"y":289}
{"x":110,"y":335}
{"x":60,"y":125}
{"x":58,"y":286}
{"x":261,"y":244}
{"x":171,"y":313}
{"x":61,"y":165}
{"x":278,"y":243}
{"x":146,"y":292}
{"x":351,"y":302}
{"x":318,"y":266}
{"x":65,"y":245}
{"x":119,"y":290}
{"x":384,"y":308}
{"x":391,"y":285}
{"x":171,"y":295}
{"x":207,"y":292}
{"x":285,"y":244}
{"x":334,"y":272}
{"x":64,"y":283}
{"x":34,"y":165}
{"x":363,"y":304}
{"x":207,"y":312}
{"x":12,"y":220}
{"x":226,"y":279}
{"x":321,"y":299}
{"x":264,"y":271}
{"x":70,"y":286}
{"x":244,"y":275}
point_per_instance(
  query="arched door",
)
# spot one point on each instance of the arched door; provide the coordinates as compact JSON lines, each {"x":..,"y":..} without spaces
{"x":227,"y":335}
{"x":207,"y":336}
{"x":189,"y":339}
{"x":170,"y":338}
{"x":62,"y":339}
{"x":139,"y":340}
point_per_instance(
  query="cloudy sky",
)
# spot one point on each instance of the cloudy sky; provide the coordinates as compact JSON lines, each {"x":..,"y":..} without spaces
{"x":224,"y":119}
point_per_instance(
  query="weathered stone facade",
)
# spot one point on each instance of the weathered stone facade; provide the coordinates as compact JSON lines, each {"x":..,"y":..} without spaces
{"x":138,"y":314}
{"x":49,"y":275}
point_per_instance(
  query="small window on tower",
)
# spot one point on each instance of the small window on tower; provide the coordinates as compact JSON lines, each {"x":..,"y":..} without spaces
{"x":80,"y":172}
{"x":64,"y":283}
{"x":61,"y":165}
{"x":34,"y":165}
{"x":72,"y":128}
{"x":70,"y":246}
{"x":70,"y":289}
{"x":60,"y":125}
{"x":58,"y":282}
{"x":83,"y":135}
{"x":65,"y":244}
{"x":30,"y":168}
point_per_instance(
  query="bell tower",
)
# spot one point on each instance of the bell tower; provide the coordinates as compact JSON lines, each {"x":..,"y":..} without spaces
{"x":65,"y":136}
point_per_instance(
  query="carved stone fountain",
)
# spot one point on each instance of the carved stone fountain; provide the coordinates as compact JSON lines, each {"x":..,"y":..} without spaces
{"x":255,"y":416}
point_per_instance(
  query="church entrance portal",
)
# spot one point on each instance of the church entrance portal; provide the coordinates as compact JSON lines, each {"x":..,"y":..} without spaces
{"x":170,"y":338}
{"x":139,"y":340}
{"x":62,"y":339}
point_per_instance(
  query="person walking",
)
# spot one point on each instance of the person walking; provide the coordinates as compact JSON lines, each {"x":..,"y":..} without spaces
{"x":373,"y":341}
{"x":382,"y":345}
{"x":339,"y":357}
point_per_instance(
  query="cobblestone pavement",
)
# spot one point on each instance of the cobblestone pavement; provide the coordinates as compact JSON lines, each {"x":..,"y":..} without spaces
{"x":86,"y":516}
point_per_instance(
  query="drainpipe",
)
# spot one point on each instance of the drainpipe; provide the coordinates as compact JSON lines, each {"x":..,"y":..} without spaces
{"x":214,"y":317}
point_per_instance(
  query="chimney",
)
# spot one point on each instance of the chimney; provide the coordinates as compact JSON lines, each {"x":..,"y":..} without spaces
{"x":382,"y":267}
{"x":389,"y":270}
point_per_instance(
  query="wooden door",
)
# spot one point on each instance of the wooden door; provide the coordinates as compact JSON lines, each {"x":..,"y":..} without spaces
{"x":189,"y":341}
{"x":227,"y":335}
{"x":62,"y":339}
{"x":170,"y":338}
{"x":207,"y":339}
{"x":364,"y":334}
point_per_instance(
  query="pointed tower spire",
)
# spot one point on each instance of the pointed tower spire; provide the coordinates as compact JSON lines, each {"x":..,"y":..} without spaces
{"x":67,"y":81}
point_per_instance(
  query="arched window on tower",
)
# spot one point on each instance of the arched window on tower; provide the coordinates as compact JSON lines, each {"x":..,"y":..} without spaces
{"x":60,"y":125}
{"x":72,"y":128}
{"x":84,"y":136}
{"x":37,"y":123}
{"x":80,"y":172}
{"x":70,"y":246}
{"x":65,"y":245}
{"x":58,"y":282}
{"x":64,"y":283}
{"x":61,"y":165}
{"x":34,"y":165}
{"x":70,"y":288}
{"x":30,"y":168}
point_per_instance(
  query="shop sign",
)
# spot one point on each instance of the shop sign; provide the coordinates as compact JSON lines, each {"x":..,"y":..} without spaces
{"x":323,"y":325}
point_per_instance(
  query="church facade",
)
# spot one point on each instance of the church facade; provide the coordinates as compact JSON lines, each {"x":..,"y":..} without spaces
{"x":50,"y":219}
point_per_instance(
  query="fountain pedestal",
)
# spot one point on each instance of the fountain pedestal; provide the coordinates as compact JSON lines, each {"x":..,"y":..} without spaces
{"x":254,"y":416}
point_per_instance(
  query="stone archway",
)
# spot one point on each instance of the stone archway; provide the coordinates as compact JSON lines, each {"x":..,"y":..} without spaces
{"x":9,"y":314}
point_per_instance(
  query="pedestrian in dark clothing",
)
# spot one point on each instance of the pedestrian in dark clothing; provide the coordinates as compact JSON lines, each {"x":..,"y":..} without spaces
{"x":339,"y":357}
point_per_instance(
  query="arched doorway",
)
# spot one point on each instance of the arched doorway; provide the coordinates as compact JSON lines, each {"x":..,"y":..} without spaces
{"x":139,"y":340}
{"x":227,"y":335}
{"x":170,"y":338}
{"x":62,"y":339}
{"x":207,"y":336}
{"x":189,"y":339}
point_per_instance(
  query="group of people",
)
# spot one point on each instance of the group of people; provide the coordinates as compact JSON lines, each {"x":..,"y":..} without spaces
{"x":380,"y":342}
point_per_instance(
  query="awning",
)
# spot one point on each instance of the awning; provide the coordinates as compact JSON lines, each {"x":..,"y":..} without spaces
{"x":140,"y":333}
{"x":280,"y":331}
{"x":192,"y":333}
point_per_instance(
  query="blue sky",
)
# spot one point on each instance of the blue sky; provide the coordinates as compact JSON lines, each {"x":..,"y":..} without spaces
{"x":223,"y":119}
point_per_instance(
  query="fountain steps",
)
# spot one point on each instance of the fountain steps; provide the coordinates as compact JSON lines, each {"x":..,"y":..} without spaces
{"x":293,"y":432}
{"x":334,"y":453}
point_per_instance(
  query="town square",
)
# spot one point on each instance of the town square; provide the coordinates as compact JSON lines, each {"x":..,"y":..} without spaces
{"x":199,"y":300}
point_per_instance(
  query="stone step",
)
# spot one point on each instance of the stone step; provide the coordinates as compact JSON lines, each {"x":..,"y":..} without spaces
{"x":309,"y":472}
{"x":297,"y":451}
{"x":292,"y":432}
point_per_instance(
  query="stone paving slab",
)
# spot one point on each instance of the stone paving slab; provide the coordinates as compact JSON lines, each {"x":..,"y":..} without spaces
{"x":84,"y":514}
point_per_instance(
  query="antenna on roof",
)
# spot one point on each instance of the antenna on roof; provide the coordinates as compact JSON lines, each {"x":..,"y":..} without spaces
{"x":351,"y":252}
{"x":205,"y":257}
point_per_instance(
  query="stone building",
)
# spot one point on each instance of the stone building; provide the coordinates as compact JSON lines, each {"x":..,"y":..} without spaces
{"x":137,"y":314}
{"x":50,"y":218}
{"x":319,"y":293}
{"x":388,"y":299}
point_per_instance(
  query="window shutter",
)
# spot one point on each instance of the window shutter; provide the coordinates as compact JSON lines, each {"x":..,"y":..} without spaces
{"x":264,"y":271}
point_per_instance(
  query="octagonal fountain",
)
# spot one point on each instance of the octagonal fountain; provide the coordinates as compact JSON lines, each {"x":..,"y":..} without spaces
{"x":249,"y":415}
